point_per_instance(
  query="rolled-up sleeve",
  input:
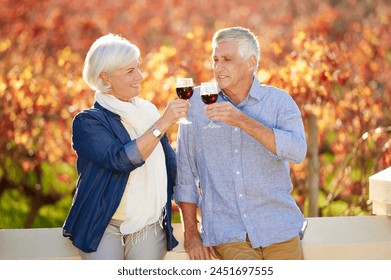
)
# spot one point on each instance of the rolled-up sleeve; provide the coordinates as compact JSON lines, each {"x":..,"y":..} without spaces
{"x":92,"y":139}
{"x":186,"y":187}
{"x":133,"y":153}
{"x":186,"y":193}
{"x":289,"y":134}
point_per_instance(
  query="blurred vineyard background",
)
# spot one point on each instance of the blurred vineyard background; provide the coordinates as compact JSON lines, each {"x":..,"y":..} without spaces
{"x":333,"y":57}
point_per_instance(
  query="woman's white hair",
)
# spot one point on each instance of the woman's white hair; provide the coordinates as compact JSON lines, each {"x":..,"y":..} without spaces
{"x":247,"y":41}
{"x":108,"y":53}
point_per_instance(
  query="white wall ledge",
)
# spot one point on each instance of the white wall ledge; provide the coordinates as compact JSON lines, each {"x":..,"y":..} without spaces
{"x":380,"y":192}
{"x":329,"y":238}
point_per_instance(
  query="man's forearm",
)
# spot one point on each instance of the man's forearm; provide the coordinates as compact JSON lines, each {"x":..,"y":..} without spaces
{"x":189,"y":218}
{"x":259,"y":132}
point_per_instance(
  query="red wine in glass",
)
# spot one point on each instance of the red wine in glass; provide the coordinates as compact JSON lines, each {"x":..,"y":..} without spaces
{"x":209,"y":98}
{"x":184,"y":90}
{"x":209,"y":95}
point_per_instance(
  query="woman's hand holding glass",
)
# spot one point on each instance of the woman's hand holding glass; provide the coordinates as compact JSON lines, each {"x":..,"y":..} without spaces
{"x":175,"y":110}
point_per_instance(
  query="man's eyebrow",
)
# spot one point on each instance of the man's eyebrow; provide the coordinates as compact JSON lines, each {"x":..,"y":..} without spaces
{"x":224,"y":55}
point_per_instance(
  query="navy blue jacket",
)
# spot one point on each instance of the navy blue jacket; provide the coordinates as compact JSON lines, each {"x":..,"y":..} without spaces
{"x":104,"y":150}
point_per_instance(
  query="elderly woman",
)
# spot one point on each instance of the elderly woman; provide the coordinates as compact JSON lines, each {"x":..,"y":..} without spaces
{"x":126,"y":166}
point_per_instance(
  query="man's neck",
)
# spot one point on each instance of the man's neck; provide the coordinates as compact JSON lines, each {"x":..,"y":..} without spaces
{"x":238,"y":95}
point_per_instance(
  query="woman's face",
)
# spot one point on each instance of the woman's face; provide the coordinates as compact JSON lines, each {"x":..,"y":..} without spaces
{"x":125,"y":82}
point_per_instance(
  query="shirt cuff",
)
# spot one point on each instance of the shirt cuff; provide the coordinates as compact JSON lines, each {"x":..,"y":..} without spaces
{"x":280,"y":139}
{"x":186,"y":193}
{"x":133,"y":153}
{"x":289,"y":147}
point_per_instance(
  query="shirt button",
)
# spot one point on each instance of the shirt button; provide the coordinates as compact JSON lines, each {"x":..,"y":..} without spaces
{"x":244,"y":216}
{"x":240,"y":195}
{"x":236,"y":151}
{"x":236,"y":129}
{"x":237,"y":172}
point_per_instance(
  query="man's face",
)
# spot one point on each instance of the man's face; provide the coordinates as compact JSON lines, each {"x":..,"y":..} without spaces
{"x":231,"y":70}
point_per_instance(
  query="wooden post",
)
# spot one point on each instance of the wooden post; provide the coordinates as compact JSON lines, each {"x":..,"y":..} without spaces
{"x":313,"y":167}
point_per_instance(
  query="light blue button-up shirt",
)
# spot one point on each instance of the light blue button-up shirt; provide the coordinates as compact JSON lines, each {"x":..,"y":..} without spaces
{"x":241,"y":187}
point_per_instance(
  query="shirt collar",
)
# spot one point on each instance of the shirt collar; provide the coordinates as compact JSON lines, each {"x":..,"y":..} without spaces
{"x":254,"y":96}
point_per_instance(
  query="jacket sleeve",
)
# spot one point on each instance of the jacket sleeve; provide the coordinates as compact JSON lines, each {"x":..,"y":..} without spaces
{"x":106,"y":144}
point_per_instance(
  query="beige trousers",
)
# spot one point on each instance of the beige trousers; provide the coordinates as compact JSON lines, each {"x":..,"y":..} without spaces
{"x":287,"y":250}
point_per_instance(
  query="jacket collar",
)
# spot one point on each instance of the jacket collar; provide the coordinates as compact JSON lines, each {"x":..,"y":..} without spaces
{"x":97,"y":106}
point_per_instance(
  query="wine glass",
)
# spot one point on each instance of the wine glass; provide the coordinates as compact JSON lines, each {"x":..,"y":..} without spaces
{"x":209,"y":95}
{"x":184,"y":90}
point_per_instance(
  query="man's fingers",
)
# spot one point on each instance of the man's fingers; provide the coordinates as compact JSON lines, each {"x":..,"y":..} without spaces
{"x":199,"y":254}
{"x":212,"y":252}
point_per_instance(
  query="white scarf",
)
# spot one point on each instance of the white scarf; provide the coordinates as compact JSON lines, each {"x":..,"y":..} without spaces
{"x":146,"y":191}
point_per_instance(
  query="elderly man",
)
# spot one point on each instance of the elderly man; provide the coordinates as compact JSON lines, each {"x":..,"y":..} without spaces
{"x":238,"y":173}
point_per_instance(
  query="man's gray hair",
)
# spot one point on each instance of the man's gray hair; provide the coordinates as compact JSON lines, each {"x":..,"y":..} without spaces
{"x":247,"y":41}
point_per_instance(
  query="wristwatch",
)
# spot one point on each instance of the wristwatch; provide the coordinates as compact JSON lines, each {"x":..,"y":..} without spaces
{"x":156,"y":132}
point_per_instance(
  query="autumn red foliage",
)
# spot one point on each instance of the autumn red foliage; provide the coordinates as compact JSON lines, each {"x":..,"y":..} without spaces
{"x":333,"y":57}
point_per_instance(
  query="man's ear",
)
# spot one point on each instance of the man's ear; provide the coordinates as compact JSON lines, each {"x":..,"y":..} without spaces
{"x":252,"y":63}
{"x":105,"y":78}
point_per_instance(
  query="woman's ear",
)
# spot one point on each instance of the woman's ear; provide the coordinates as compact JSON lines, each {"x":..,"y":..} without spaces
{"x":105,"y":78}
